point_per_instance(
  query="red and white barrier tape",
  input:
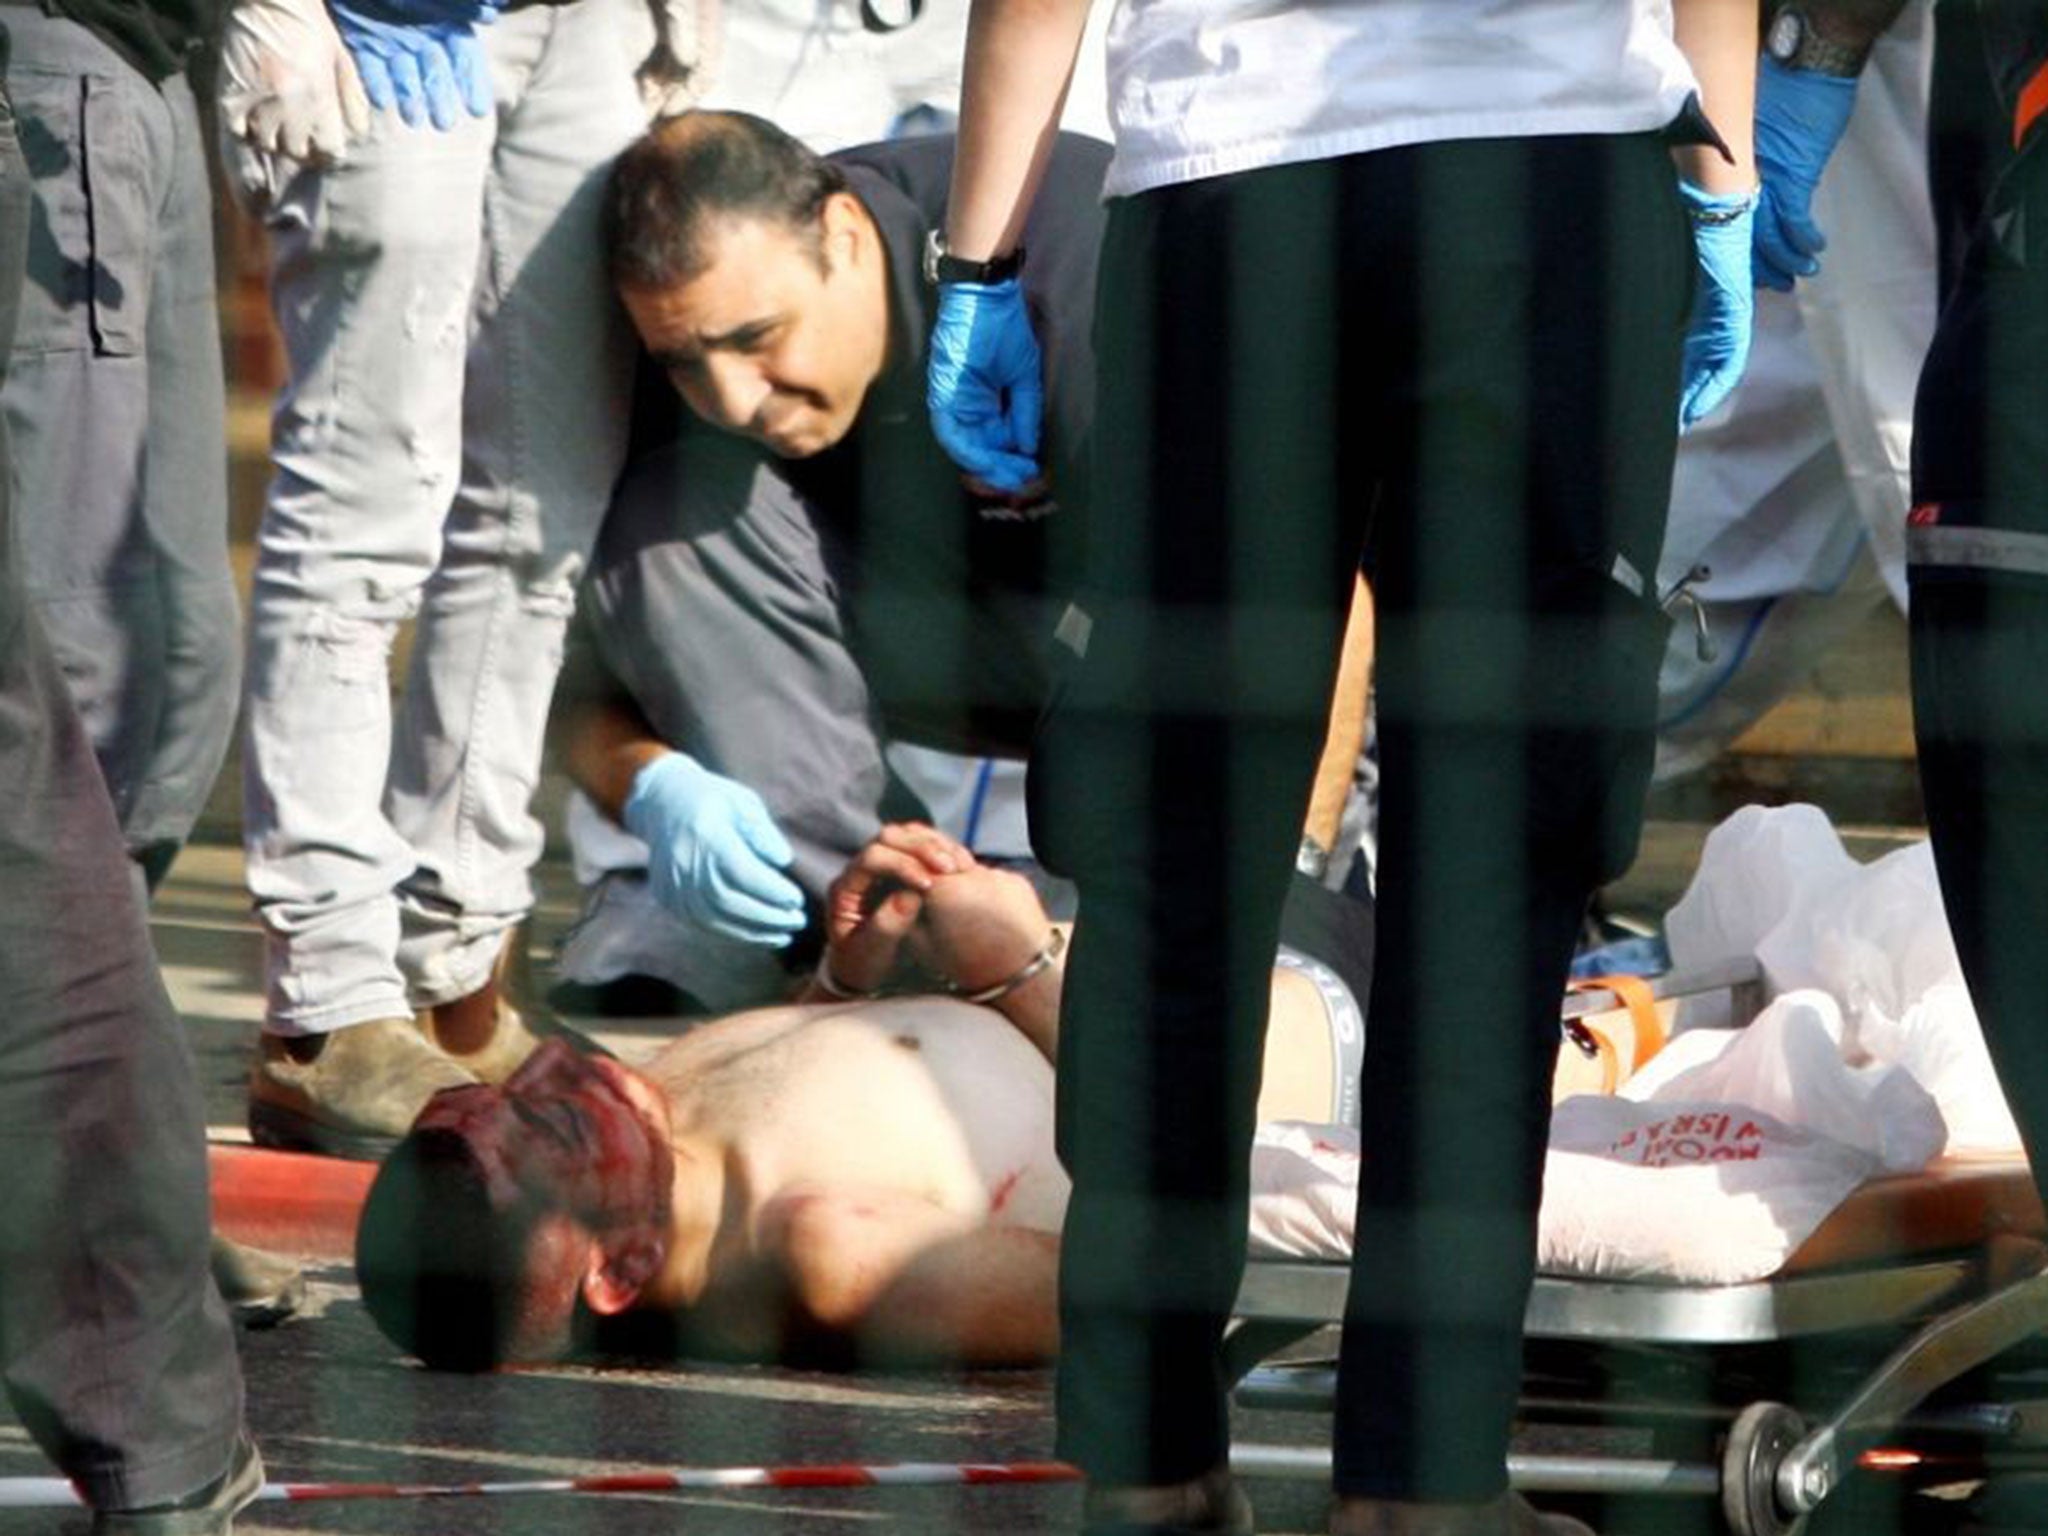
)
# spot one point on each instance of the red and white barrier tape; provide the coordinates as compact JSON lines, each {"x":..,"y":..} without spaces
{"x":57,"y":1492}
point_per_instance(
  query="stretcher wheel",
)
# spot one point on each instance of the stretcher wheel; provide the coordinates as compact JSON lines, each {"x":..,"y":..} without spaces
{"x":1762,"y":1436}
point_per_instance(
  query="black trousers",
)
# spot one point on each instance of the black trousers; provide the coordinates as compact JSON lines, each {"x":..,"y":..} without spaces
{"x":1978,"y":562}
{"x":1459,"y":363}
{"x":114,"y":1347}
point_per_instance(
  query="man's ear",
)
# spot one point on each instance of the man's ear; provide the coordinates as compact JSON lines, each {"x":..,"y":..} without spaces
{"x":843,"y":225}
{"x":619,"y":1271}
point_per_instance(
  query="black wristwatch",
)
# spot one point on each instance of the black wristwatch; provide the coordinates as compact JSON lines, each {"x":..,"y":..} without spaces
{"x":1796,"y":43}
{"x":942,"y":266}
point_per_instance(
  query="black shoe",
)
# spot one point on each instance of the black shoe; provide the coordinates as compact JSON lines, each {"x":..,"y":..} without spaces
{"x":1508,"y":1515}
{"x":2015,"y":1504}
{"x":261,"y":1289}
{"x":1211,"y":1505}
{"x":209,"y":1512}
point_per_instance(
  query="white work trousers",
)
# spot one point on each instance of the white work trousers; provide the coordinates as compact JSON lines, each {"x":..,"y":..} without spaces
{"x":443,"y":451}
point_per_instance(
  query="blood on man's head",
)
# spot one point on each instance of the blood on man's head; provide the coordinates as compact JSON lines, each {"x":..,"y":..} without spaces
{"x":504,"y":1209}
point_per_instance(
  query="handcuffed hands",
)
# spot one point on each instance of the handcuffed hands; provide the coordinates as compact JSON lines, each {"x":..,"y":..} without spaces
{"x":421,"y":58}
{"x":1724,"y":303}
{"x":1801,"y":115}
{"x":980,"y":928}
{"x":715,"y":856}
{"x":287,"y":83}
{"x":984,"y":382}
{"x":876,"y":902}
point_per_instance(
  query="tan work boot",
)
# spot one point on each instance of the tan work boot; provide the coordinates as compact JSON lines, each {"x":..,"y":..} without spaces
{"x":351,"y":1093}
{"x":1210,"y":1505}
{"x":1508,"y":1515}
{"x":482,"y":1033}
{"x":485,"y":1032}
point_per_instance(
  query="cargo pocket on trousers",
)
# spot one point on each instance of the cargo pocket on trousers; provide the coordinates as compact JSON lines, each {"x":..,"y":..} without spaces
{"x":1604,"y":632}
{"x":1097,"y":757}
{"x":1052,"y":776}
{"x":91,"y":234}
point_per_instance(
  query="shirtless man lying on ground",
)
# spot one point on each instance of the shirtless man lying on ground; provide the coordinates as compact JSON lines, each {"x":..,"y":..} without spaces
{"x":846,"y":1177}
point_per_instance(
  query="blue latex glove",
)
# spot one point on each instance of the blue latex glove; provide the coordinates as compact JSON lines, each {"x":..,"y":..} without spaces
{"x":1800,"y":118}
{"x":1724,"y":300}
{"x":715,"y":855}
{"x":429,"y":69}
{"x":984,"y":383}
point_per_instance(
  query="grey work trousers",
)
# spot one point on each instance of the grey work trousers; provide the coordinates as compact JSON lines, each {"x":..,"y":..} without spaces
{"x":115,"y":405}
{"x":114,"y":1346}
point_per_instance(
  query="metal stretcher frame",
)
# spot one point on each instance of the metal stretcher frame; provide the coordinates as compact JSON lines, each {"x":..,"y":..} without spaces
{"x":1952,"y":1311}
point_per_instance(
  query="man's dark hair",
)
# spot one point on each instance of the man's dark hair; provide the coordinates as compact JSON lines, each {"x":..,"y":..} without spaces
{"x":451,"y":1274}
{"x":687,"y":173}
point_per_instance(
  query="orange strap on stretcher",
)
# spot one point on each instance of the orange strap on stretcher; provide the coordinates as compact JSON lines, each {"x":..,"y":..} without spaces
{"x":2033,"y":102}
{"x":1641,"y":1002}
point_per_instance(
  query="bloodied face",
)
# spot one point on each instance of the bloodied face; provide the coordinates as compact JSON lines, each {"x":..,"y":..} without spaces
{"x":503,"y":1205}
{"x":577,"y":1134}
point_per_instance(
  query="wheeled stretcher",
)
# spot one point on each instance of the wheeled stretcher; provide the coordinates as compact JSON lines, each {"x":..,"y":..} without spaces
{"x":1876,"y":1326}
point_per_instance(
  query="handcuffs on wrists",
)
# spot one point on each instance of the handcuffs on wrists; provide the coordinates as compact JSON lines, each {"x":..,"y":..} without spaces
{"x":1054,"y":946}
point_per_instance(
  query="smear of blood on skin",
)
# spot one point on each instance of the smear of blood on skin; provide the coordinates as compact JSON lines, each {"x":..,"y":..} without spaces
{"x":1006,"y":1186}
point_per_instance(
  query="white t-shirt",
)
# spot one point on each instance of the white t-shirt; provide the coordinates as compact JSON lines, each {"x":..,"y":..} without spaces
{"x":1203,"y":88}
{"x":812,"y":68}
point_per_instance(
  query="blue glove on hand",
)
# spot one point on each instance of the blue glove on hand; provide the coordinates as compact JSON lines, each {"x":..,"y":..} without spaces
{"x":984,"y":384}
{"x":715,"y":856}
{"x":1724,"y":301}
{"x":1801,"y":115}
{"x":422,"y":57}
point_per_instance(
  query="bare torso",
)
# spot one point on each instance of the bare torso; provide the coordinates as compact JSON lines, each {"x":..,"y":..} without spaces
{"x":898,"y":1152}
{"x":921,"y":1096}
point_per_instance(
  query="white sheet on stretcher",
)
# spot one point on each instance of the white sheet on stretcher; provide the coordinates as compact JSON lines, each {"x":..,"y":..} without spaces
{"x":1779,"y":886}
{"x":1713,"y":1164}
